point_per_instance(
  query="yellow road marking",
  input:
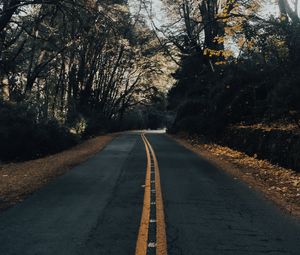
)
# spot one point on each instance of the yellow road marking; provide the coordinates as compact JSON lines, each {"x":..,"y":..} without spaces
{"x":161,"y":240}
{"x":142,"y":240}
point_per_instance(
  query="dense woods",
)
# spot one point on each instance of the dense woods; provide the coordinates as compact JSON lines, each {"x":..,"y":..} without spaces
{"x":238,"y":65}
{"x":71,"y":69}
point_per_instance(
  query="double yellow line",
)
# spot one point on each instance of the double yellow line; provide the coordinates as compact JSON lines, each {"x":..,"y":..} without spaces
{"x":161,"y":240}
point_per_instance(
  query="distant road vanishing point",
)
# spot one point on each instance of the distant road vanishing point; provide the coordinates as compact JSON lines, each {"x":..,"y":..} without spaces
{"x":145,"y":194}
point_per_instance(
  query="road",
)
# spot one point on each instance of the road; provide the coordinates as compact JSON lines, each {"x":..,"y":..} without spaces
{"x":142,"y":196}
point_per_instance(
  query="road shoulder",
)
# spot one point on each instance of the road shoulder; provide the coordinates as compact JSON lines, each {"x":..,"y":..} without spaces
{"x":280,"y":185}
{"x":18,"y":180}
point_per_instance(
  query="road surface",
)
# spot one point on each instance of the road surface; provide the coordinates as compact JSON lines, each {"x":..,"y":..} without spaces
{"x":144,"y":195}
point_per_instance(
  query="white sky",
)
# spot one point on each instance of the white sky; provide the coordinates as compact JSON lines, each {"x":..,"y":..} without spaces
{"x":159,"y":15}
{"x":157,"y":10}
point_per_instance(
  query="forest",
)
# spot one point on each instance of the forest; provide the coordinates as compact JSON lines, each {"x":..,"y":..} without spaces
{"x":71,"y":70}
{"x":238,"y":65}
{"x":74,"y":69}
{"x":237,"y":82}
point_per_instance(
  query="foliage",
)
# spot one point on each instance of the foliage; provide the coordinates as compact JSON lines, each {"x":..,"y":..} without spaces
{"x":258,"y":83}
{"x":82,"y":64}
{"x":22,"y":137}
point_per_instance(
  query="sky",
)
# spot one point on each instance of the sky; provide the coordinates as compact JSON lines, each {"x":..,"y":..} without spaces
{"x":159,"y":15}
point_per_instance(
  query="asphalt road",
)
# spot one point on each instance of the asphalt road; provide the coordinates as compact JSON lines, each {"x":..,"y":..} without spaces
{"x":96,"y":208}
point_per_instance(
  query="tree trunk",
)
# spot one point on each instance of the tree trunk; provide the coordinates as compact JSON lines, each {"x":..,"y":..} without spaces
{"x":5,"y":89}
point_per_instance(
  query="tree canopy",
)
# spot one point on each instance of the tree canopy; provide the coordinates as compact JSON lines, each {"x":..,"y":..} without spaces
{"x":96,"y":66}
{"x":82,"y":64}
{"x":236,"y":63}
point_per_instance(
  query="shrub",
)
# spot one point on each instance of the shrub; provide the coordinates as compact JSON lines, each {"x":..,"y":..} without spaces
{"x":23,"y":137}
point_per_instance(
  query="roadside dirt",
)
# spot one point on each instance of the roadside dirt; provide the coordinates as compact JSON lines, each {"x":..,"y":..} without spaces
{"x":278,"y":184}
{"x":18,"y":180}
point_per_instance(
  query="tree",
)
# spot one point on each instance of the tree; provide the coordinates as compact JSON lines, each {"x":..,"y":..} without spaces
{"x":72,"y":61}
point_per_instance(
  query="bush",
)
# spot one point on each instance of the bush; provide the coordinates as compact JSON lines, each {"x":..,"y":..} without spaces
{"x":23,"y":137}
{"x":96,"y":124}
{"x":285,"y":100}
